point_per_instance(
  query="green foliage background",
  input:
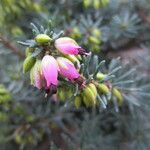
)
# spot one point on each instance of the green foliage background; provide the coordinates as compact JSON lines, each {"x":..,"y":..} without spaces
{"x":29,"y":121}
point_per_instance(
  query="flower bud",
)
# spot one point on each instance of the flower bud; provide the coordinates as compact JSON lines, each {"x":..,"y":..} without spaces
{"x":4,"y":94}
{"x":77,"y":101}
{"x":118,"y":95}
{"x":76,"y":33}
{"x":89,"y":97}
{"x":100,"y":3}
{"x":102,"y":88}
{"x":86,"y":3}
{"x":94,"y":40}
{"x":73,"y":59}
{"x":105,"y":2}
{"x":96,"y":4}
{"x":28,"y":63}
{"x":28,"y":51}
{"x":96,"y":32}
{"x":67,"y":68}
{"x":42,"y":38}
{"x":67,"y":45}
{"x":50,"y":70}
{"x":79,"y":57}
{"x":64,"y":93}
{"x":36,"y":76}
{"x":100,"y":76}
{"x":93,"y":88}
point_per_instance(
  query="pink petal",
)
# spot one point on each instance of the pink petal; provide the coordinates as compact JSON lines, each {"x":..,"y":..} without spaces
{"x":67,"y":45}
{"x":67,"y":68}
{"x":50,"y":70}
{"x":38,"y":81}
{"x":69,"y":49}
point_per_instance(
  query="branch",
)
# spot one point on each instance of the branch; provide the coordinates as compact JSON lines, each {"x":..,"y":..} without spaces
{"x":10,"y":46}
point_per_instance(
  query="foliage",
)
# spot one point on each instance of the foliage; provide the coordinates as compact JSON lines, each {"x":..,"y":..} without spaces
{"x":31,"y":121}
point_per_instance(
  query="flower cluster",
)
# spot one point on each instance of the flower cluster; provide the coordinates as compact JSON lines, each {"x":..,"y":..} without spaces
{"x":51,"y":60}
{"x":45,"y":70}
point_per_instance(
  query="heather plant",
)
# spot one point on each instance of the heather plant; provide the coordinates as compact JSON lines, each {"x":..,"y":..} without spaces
{"x":59,"y":87}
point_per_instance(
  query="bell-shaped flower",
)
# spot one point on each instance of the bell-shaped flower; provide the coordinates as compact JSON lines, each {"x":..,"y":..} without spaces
{"x":50,"y":71}
{"x":67,"y":45}
{"x":36,"y":75}
{"x":67,"y":68}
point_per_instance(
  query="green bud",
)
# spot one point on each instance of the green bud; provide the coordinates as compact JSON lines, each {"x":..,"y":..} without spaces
{"x":18,"y":138}
{"x":76,"y":33}
{"x":102,"y":88}
{"x":100,"y":76}
{"x":87,"y":3}
{"x":35,"y":70}
{"x":96,"y":48}
{"x":77,"y":101}
{"x":96,"y":4}
{"x":42,"y":38}
{"x":28,"y":63}
{"x":118,"y":95}
{"x":64,"y":93}
{"x":37,"y":7}
{"x":28,"y":51}
{"x":94,"y":40}
{"x":89,"y":97}
{"x":73,"y":59}
{"x":96,"y":32}
{"x":3,"y":90}
{"x":93,"y":88}
{"x":62,"y":96}
{"x":79,"y":57}
{"x":5,"y":98}
{"x":16,"y":31}
{"x":105,"y":3}
{"x":4,"y":94}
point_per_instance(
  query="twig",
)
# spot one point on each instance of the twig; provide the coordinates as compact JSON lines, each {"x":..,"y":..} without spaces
{"x":10,"y":46}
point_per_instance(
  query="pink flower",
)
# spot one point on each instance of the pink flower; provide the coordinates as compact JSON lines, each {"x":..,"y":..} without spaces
{"x":67,"y":68}
{"x":36,"y":76}
{"x":67,"y":45}
{"x":50,"y":70}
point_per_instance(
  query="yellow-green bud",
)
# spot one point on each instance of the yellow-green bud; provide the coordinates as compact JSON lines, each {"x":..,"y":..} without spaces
{"x":4,"y":94}
{"x":28,"y":51}
{"x":105,"y":2}
{"x":63,"y":95}
{"x":87,"y":3}
{"x":102,"y":88}
{"x":118,"y":95}
{"x":96,"y":4}
{"x":5,"y":98}
{"x":28,"y":63}
{"x":76,"y":33}
{"x":18,"y":138}
{"x":37,"y":7}
{"x":77,"y":101}
{"x":42,"y":38}
{"x":60,"y":95}
{"x":79,"y":57}
{"x":73,"y":59}
{"x":93,"y":88}
{"x":100,"y":76}
{"x":16,"y":31}
{"x":2,"y":89}
{"x":89,"y":97}
{"x":96,"y":48}
{"x":94,"y":40}
{"x":96,"y":32}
